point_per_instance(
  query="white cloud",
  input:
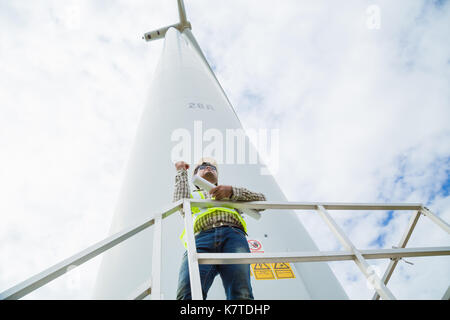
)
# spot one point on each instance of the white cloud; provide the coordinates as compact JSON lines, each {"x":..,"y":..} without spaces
{"x":362,"y":116}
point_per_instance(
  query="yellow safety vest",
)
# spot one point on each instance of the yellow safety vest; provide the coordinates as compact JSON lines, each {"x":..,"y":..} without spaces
{"x":201,"y":212}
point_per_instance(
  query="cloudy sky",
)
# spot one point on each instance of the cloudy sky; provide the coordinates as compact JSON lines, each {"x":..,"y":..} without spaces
{"x":359,"y":91}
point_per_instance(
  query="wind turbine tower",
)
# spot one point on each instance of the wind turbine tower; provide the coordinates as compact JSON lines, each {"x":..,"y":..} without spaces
{"x":186,"y":98}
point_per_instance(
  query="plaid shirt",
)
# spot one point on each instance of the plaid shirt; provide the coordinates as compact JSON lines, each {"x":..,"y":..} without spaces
{"x":182,"y":191}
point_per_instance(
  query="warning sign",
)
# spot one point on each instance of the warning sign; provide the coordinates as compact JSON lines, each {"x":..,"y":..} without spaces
{"x":268,"y":271}
{"x":263,"y":271}
{"x":255,"y":246}
{"x":283,"y":270}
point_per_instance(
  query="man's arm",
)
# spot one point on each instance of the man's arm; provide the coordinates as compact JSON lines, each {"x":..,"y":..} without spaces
{"x":181,"y":186}
{"x":243,"y":194}
{"x":181,"y":190}
{"x":236,"y":194}
{"x":233,"y":193}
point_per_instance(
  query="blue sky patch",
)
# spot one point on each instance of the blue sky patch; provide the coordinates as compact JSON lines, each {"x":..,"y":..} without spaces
{"x":446,"y":186}
{"x":380,"y":241}
{"x":389,"y":217}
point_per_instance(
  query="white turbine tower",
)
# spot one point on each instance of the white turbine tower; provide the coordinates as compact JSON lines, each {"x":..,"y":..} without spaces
{"x":186,"y":97}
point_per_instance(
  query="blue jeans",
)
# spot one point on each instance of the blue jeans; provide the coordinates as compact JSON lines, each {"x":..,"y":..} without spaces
{"x":235,"y":277}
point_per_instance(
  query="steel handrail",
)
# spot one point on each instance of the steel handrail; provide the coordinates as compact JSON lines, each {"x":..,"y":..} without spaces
{"x":358,"y":256}
{"x":194,"y":258}
{"x":57,"y":270}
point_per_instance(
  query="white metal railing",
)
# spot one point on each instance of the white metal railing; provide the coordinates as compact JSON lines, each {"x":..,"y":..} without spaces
{"x":44,"y":277}
{"x":153,"y":285}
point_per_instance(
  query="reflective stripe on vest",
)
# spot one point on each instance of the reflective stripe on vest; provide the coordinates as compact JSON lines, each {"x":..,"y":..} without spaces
{"x":201,"y":212}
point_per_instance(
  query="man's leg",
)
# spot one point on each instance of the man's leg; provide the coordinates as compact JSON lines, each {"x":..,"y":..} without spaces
{"x":204,"y":242}
{"x":235,"y":277}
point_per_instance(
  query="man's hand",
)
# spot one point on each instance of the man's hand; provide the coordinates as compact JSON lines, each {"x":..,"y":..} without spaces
{"x":181,"y":165}
{"x":221,"y":192}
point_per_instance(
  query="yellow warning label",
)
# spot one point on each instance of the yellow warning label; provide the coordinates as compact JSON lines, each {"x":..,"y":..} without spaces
{"x":283,"y":270}
{"x":263,"y":271}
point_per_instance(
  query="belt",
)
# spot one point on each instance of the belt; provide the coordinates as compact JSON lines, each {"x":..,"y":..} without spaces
{"x":220,"y":224}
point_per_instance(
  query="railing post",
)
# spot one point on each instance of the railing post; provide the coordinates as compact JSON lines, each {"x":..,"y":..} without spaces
{"x":441,"y":223}
{"x":402,"y":244}
{"x":194,"y":272}
{"x":156,"y":259}
{"x":382,"y":290}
